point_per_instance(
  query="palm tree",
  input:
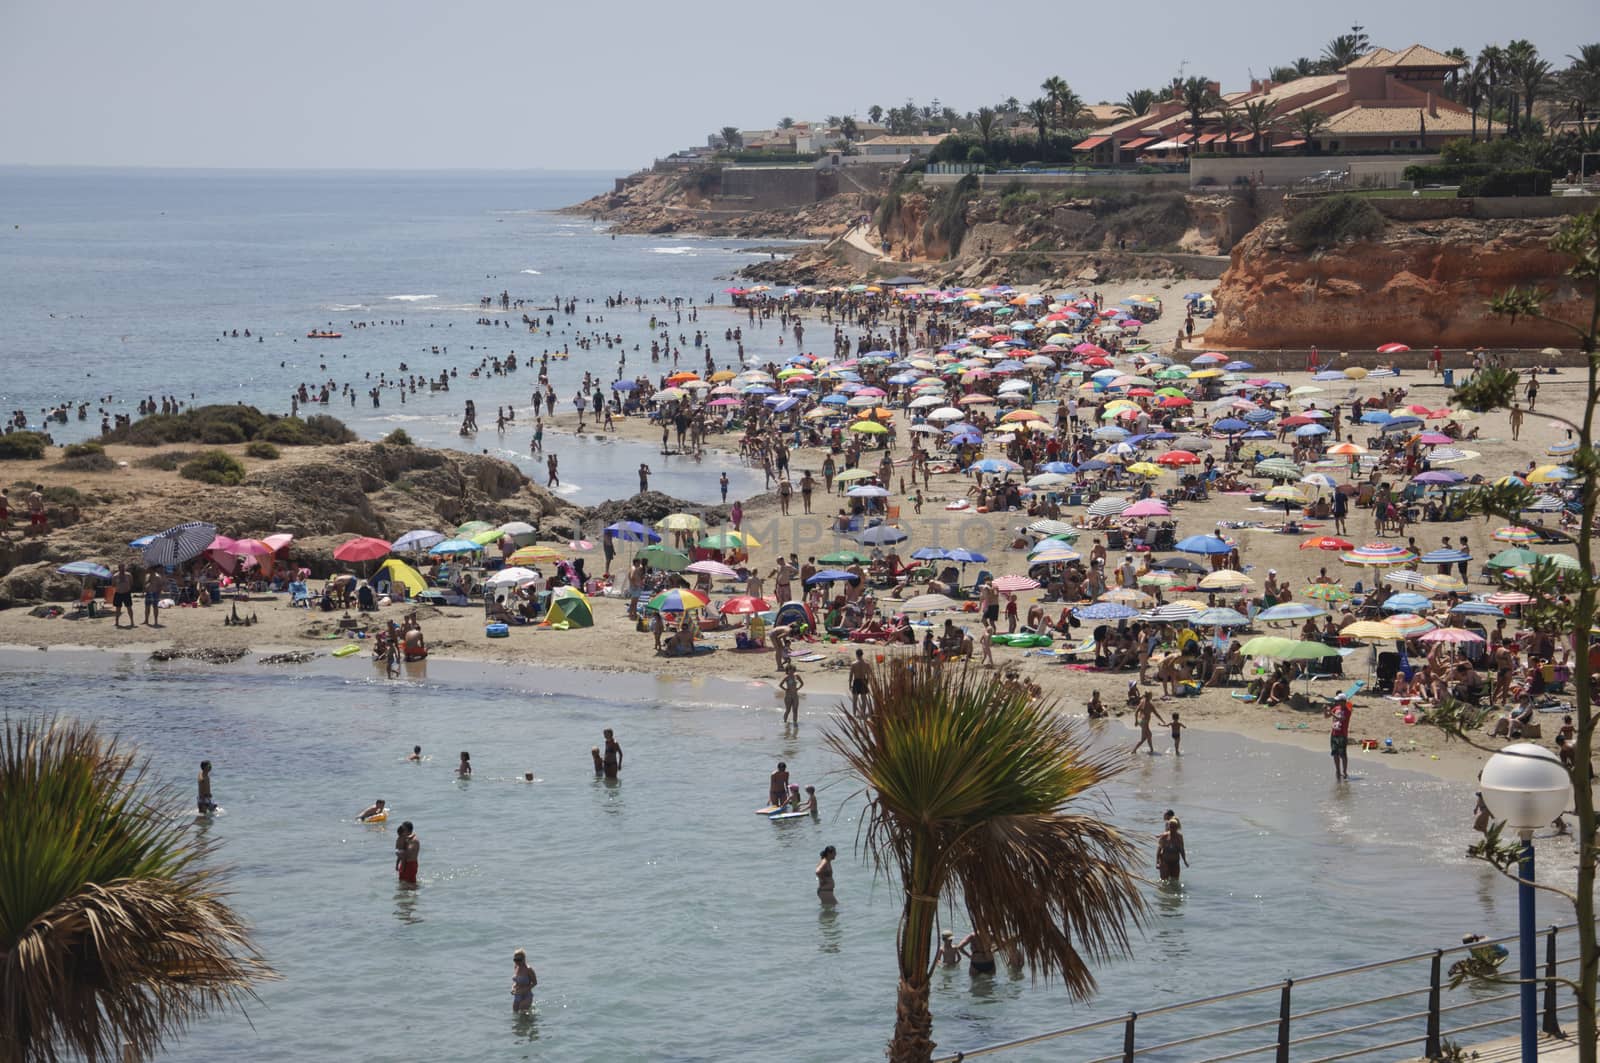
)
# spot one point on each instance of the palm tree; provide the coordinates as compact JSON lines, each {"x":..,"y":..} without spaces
{"x":1530,"y":73}
{"x":1070,"y":109}
{"x":113,"y":935}
{"x":1452,"y":83}
{"x":1040,"y":110}
{"x":1491,"y":64}
{"x":1470,"y":94}
{"x":1054,"y":88}
{"x":1305,"y":67}
{"x":985,"y":123}
{"x":1581,"y":83}
{"x":1258,"y":118}
{"x":1230,"y":121}
{"x":875,"y":114}
{"x":1136,"y":103}
{"x":1344,"y":50}
{"x":1197,"y":98}
{"x":972,"y":791}
{"x":847,"y":127}
{"x":1012,"y":105}
{"x":1308,"y":125}
{"x":1282,"y":75}
{"x":731,"y":138}
{"x":786,"y":122}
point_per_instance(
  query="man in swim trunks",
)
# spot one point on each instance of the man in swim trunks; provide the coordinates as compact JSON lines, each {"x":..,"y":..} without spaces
{"x":406,"y":850}
{"x":860,"y":682}
{"x":154,"y":584}
{"x":1339,"y":739}
{"x":374,"y":809}
{"x":203,"y":803}
{"x":613,"y":755}
{"x":122,"y":595}
{"x":38,"y":523}
{"x":778,"y":784}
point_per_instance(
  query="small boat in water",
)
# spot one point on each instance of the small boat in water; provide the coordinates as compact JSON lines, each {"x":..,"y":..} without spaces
{"x":315,"y":335}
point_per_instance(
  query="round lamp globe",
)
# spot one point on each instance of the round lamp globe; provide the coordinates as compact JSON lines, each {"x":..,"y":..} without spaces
{"x":1525,"y":786}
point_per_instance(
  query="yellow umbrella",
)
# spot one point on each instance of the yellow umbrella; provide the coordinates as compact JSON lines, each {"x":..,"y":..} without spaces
{"x":1226,"y":579}
{"x":536,"y":554}
{"x":722,"y":376}
{"x":870,"y":428}
{"x":1204,"y":374}
{"x":400,"y":572}
{"x":1544,"y":474}
{"x":680,"y":522}
{"x":1370,"y":631}
{"x":1145,"y":468}
{"x":1355,"y":372}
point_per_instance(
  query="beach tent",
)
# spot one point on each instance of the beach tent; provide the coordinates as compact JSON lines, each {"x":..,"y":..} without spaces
{"x":795,"y":613}
{"x":400,"y":572}
{"x":569,"y":608}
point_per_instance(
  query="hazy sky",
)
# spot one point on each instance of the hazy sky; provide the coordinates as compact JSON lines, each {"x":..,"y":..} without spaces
{"x":503,"y":85}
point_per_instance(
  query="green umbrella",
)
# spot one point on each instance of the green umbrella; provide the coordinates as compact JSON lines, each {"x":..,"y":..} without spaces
{"x":1511,"y":557}
{"x":1284,"y":649}
{"x":665,"y":558}
{"x":471,"y":528}
{"x":844,"y":557}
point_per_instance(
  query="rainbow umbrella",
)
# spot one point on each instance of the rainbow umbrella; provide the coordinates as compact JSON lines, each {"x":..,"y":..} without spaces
{"x":677,"y":601}
{"x":1514,"y":534}
{"x":1328,"y":592}
{"x":1409,"y":625}
{"x":1377,"y":555}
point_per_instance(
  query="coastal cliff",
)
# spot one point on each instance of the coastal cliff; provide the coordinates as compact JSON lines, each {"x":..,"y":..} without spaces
{"x":1420,"y":283}
{"x":691,"y":203}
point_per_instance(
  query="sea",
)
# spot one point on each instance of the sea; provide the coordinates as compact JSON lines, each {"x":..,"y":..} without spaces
{"x":664,"y":919}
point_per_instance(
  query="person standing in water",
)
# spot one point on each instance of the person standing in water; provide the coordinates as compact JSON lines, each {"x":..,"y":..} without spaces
{"x":980,"y":958}
{"x":1141,"y":716}
{"x":791,"y":685}
{"x":203,"y":802}
{"x":1177,"y":734}
{"x":825,"y":877}
{"x":778,"y":784}
{"x":523,"y":980}
{"x":407,"y":848}
{"x":1170,"y":851}
{"x":613,"y":755}
{"x":599,"y":765}
{"x":416,"y":755}
{"x":1339,"y":739}
{"x":464,"y":769}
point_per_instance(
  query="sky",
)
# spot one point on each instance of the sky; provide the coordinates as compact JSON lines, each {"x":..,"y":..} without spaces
{"x":496,"y":84}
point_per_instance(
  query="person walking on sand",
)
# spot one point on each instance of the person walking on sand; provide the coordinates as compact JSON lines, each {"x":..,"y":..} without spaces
{"x":1142,"y":716}
{"x":860,"y":683}
{"x":1339,"y":739}
{"x":613,"y":755}
{"x":791,"y":684}
{"x":523,"y":981}
{"x":407,"y":849}
{"x":1516,"y":421}
{"x":1170,"y":851}
{"x":39,"y":523}
{"x":122,"y":595}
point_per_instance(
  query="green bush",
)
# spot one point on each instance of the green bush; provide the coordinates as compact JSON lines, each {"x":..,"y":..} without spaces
{"x":325,"y":429}
{"x":21,"y":446}
{"x":63,"y":496}
{"x":287,"y":432}
{"x":263,"y":450}
{"x":1335,"y":220}
{"x":86,"y":457}
{"x":214,"y":467}
{"x":220,"y":425}
{"x":1507,"y":183}
{"x":166,"y":461}
{"x":947,"y":214}
{"x":1449,"y":173}
{"x":221,"y":432}
{"x":398,"y":438}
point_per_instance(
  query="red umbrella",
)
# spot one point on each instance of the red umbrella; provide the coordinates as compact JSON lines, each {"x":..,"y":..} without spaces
{"x":1393,"y":348}
{"x":1178,"y":457}
{"x":1177,"y":400}
{"x":362,"y":548}
{"x":744,"y":606}
{"x":1327,"y":542}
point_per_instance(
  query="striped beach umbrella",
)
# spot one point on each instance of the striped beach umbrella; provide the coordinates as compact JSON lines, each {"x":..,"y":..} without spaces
{"x":1477,"y":607}
{"x":1054,"y":557}
{"x":1370,"y":631}
{"x":1404,"y":577}
{"x":180,"y":543}
{"x":1161,"y":579}
{"x":1108,"y":507}
{"x":1377,"y":555}
{"x":1128,"y":595}
{"x":1443,"y":584}
{"x":677,"y":601}
{"x":1455,"y":635}
{"x":1290,"y":611}
{"x":1409,"y":624}
{"x":1512,"y":533}
{"x":1327,"y":592}
{"x":1014,"y":584}
{"x":1104,"y":611}
{"x":537,"y":554}
{"x":1226,"y":580}
{"x":1444,"y":557}
{"x":1221,"y":617}
{"x":1278,"y":469}
{"x":1172,"y":613}
{"x":1508,"y":598}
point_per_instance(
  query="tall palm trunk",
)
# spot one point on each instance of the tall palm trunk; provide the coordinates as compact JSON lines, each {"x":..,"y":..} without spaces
{"x":913,"y":1020}
{"x":1583,"y":770}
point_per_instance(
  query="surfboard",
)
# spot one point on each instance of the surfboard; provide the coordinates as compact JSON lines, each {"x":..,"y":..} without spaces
{"x":788,"y":815}
{"x":769,"y":810}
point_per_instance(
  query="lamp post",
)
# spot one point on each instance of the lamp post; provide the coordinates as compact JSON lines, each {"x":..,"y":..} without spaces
{"x":1525,"y":786}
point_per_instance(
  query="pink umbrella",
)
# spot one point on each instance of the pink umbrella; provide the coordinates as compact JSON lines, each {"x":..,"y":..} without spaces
{"x":580,"y":544}
{"x":723,"y":402}
{"x":1508,"y":598}
{"x":713,"y":568}
{"x":1434,"y":438}
{"x":1148,"y":507}
{"x":1452,"y":634}
{"x":223,"y":545}
{"x":278,"y":541}
{"x":362,"y":548}
{"x":1012,"y":584}
{"x":252,"y":548}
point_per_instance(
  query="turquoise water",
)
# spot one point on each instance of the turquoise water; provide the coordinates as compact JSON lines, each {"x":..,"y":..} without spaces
{"x":115,"y":285}
{"x":666,"y":922}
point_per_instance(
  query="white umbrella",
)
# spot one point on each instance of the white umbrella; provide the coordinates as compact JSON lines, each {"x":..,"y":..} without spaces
{"x":514,"y":576}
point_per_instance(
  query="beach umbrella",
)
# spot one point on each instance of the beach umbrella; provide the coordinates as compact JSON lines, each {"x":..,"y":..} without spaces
{"x":1409,"y":624}
{"x":1451,"y":635}
{"x":1290,"y":611}
{"x":362,"y":548}
{"x":1172,"y":613}
{"x":1347,"y":450}
{"x":181,"y":543}
{"x":927,"y":603}
{"x":1161,"y":579}
{"x":1109,"y":506}
{"x":728,"y":540}
{"x":1514,"y":534}
{"x":471,"y":528}
{"x":1226,"y":580}
{"x":1285,"y":649}
{"x":1221,"y":617}
{"x":1405,"y":602}
{"x":881,"y":535}
{"x":1145,"y":507}
{"x":632,"y":531}
{"x":1327,"y":542}
{"x":1204,"y":544}
{"x":1278,"y":469}
{"x":1377,"y":555}
{"x":1144,"y":468}
{"x":1054,"y":557}
{"x":1477,"y":607}
{"x":832,"y":575}
{"x":86,"y":569}
{"x":665,"y":558}
{"x":1443,"y":584}
{"x":514,"y":576}
{"x":677,"y":601}
{"x":867,"y":491}
{"x":1444,"y":557}
{"x":1547,"y":474}
{"x":1511,"y":557}
{"x":1015,"y":584}
{"x":1180,"y":564}
{"x":1286,"y":493}
{"x":844,"y":557}
{"x":1327,"y":592}
{"x":484,"y":538}
{"x":569,"y":608}
{"x":1177,"y":458}
{"x":448,"y":547}
{"x":417,"y":539}
{"x":1046,"y":526}
{"x":994,"y":465}
{"x":1126,"y":595}
{"x":1404,"y":577}
{"x":1104,"y":611}
{"x":680,"y":522}
{"x":715,"y":569}
{"x":1370,"y":631}
{"x":745,"y":606}
{"x":537,"y":554}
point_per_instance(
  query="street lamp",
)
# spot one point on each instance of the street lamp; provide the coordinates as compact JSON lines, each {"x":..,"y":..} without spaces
{"x":1525,"y":786}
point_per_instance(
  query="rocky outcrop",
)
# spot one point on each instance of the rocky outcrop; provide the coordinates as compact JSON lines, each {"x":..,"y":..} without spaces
{"x":1419,"y":283}
{"x":661,"y":204}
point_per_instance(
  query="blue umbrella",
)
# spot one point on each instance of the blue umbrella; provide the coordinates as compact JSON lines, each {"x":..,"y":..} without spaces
{"x":1238,"y":367}
{"x":1204,"y":544}
{"x":631,"y":531}
{"x":965,"y":439}
{"x":1289,"y":611}
{"x":835,"y":399}
{"x":1094,"y":465}
{"x":1404,"y":603}
{"x":1105,"y":611}
{"x":85,"y":568}
{"x":1060,"y":468}
{"x":1259,"y":416}
{"x":881,"y":535}
{"x":1329,"y":374}
{"x":1311,"y":430}
{"x":1477,"y":608}
{"x":142,"y":541}
{"x":831,"y":575}
{"x":929,"y":553}
{"x":991,"y":465}
{"x":1231,"y":424}
{"x":623,"y":385}
{"x":456,"y":546}
{"x":1257,"y":433}
{"x":1221,"y":618}
{"x":965,"y":556}
{"x":1376,"y":417}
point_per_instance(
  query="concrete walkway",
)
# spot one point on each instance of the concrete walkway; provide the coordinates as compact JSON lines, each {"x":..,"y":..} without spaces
{"x":861,"y":238}
{"x":1509,"y":1050}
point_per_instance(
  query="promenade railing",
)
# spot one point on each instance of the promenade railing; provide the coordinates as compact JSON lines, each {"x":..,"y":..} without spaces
{"x":1400,"y":1008}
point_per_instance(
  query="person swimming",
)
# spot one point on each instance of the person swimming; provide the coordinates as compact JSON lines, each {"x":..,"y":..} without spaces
{"x":375,"y":809}
{"x":416,"y":753}
{"x":793,"y":803}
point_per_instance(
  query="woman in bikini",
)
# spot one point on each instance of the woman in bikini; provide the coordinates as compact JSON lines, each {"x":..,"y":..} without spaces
{"x":522,"y":982}
{"x":825,"y":877}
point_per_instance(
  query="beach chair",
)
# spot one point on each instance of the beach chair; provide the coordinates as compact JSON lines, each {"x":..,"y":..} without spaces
{"x":299,"y":595}
{"x":892,"y":514}
{"x":985,"y":576}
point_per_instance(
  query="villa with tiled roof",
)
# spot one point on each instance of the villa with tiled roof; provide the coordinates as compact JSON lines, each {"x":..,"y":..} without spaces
{"x":1383,"y":101}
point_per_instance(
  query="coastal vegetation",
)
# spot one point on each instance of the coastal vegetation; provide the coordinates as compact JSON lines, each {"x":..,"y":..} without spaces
{"x":1333,"y":221}
{"x":86,"y":457}
{"x":114,"y":931}
{"x":214,"y":467}
{"x":220,"y":425}
{"x":1562,"y":600}
{"x":263,"y":450}
{"x":21,"y":446}
{"x":974,"y":798}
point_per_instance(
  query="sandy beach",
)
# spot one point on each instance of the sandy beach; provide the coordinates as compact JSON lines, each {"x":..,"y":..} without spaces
{"x":613,"y":644}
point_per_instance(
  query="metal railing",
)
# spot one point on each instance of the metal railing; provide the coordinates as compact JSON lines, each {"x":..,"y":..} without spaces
{"x":1327,"y":1029}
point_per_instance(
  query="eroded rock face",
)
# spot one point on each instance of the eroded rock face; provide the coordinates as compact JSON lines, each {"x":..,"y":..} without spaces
{"x":1420,"y":283}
